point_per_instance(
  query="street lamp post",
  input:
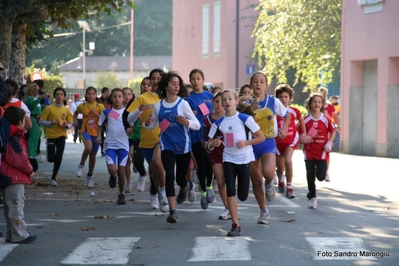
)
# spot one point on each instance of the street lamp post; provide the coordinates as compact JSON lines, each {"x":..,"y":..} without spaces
{"x":85,"y":27}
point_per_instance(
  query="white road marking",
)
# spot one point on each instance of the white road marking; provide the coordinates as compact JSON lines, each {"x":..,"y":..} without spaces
{"x":221,"y":249}
{"x":5,"y":248}
{"x":62,"y":220}
{"x":102,"y":250}
{"x":339,"y":248}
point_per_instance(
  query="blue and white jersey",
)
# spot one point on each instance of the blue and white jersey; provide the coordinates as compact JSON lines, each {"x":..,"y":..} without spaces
{"x":174,"y":136}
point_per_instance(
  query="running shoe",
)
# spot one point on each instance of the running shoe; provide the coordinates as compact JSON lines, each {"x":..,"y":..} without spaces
{"x":215,"y":186}
{"x":121,"y":199}
{"x":327,"y":179}
{"x":235,"y":230}
{"x":129,"y":187}
{"x":225,"y":215}
{"x":141,"y":183}
{"x":53,"y":183}
{"x":154,"y":201}
{"x":210,"y":195}
{"x":172,"y":218}
{"x":191,"y":194}
{"x":80,"y":170}
{"x":204,"y":202}
{"x":112,"y":181}
{"x":281,"y":187}
{"x":89,"y":181}
{"x":181,"y":197}
{"x":163,"y":201}
{"x":264,"y":217}
{"x":289,"y":193}
{"x":270,"y":193}
{"x":312,"y":203}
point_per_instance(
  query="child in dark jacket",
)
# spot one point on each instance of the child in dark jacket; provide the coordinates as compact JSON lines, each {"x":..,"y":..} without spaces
{"x":15,"y":164}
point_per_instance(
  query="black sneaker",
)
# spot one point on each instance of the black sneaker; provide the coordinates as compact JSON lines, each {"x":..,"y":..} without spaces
{"x":102,"y":154}
{"x":112,"y":181}
{"x":27,"y":240}
{"x":121,"y":199}
{"x":1,"y":203}
{"x":172,"y":218}
{"x":235,"y":230}
{"x":183,"y":192}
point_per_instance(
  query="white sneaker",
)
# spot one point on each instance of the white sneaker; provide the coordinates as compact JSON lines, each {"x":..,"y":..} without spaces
{"x":53,"y":183}
{"x":129,"y":187}
{"x":154,"y":201}
{"x":264,"y":217}
{"x":215,"y":186}
{"x":225,"y":215}
{"x":270,"y":193}
{"x":163,"y":201}
{"x":80,"y":170}
{"x":89,"y":181}
{"x":191,"y":194}
{"x":327,"y":179}
{"x":312,"y":203}
{"x":141,"y":183}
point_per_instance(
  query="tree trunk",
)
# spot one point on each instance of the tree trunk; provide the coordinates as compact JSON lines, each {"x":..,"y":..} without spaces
{"x":18,"y":52}
{"x":5,"y":40}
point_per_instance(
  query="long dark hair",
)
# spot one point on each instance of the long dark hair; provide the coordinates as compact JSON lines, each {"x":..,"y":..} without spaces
{"x":163,"y":83}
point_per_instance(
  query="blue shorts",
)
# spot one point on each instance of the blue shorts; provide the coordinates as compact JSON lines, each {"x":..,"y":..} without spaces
{"x":148,"y":153}
{"x":111,"y":156}
{"x":268,"y":146}
{"x":94,"y":144}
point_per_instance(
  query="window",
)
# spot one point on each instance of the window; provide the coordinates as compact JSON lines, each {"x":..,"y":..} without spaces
{"x":216,"y":27}
{"x":205,"y":29}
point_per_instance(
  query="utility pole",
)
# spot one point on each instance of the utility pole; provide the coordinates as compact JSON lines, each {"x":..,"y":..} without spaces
{"x":131,"y":42}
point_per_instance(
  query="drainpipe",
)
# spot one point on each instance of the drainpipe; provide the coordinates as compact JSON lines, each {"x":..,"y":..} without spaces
{"x":237,"y":41}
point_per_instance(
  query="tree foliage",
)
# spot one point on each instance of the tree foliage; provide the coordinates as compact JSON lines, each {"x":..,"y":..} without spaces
{"x":54,"y":11}
{"x":301,"y":35}
{"x":152,"y":36}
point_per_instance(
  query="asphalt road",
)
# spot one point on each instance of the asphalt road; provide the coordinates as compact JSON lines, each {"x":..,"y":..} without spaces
{"x":356,"y":222}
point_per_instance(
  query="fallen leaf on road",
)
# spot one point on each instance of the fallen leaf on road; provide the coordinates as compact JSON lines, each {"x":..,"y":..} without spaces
{"x":288,"y":221}
{"x":109,"y":216}
{"x":88,"y":229}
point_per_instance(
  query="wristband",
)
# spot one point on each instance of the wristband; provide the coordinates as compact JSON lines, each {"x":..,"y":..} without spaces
{"x":209,"y":148}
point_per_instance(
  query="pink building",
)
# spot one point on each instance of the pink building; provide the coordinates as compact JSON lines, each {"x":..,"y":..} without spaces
{"x":214,"y":36}
{"x":370,"y":78}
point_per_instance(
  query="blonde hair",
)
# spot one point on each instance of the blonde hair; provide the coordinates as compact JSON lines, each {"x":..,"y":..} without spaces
{"x":30,"y":88}
{"x":247,"y":105}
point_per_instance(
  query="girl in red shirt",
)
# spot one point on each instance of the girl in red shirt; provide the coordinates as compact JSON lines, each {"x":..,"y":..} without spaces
{"x":318,"y":143}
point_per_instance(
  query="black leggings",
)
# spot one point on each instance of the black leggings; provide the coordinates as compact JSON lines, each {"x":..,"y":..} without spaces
{"x":232,"y":170}
{"x":204,"y":171}
{"x":55,"y":150}
{"x":138,"y":158}
{"x":315,"y":168}
{"x":169,"y":159}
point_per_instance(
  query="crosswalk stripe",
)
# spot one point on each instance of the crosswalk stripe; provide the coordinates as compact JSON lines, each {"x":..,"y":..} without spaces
{"x":102,"y":250}
{"x":5,"y":248}
{"x":221,"y":249}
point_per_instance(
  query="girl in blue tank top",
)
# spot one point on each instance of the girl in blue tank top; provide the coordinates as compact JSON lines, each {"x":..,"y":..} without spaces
{"x":175,"y":119}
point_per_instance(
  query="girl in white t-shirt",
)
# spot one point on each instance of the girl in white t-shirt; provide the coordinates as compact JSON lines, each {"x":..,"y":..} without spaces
{"x":237,"y":153}
{"x":116,"y":143}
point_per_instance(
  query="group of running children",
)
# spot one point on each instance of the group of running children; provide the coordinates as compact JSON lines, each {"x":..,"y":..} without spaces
{"x":230,"y":138}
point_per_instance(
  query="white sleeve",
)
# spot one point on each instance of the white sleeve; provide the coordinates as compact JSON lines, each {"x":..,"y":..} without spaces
{"x":132,"y":117}
{"x":73,"y":107}
{"x":154,"y":115}
{"x":281,"y":110}
{"x":102,"y":119}
{"x":25,"y":108}
{"x":193,"y":122}
{"x":251,"y":124}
